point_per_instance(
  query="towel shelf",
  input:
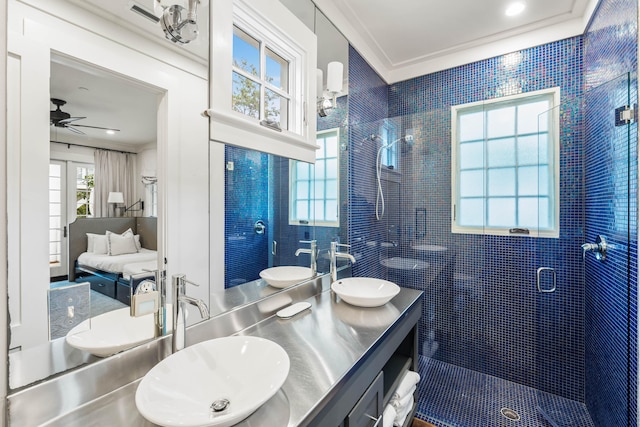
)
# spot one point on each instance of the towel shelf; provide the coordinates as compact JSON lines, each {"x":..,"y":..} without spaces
{"x":393,"y":372}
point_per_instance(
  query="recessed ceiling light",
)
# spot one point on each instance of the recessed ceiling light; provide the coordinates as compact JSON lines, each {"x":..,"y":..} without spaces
{"x":111,"y":132}
{"x":515,"y":8}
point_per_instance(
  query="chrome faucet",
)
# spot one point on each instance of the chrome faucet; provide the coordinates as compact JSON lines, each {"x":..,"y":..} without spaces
{"x":313,"y":251}
{"x":334,"y":255}
{"x":180,"y":298}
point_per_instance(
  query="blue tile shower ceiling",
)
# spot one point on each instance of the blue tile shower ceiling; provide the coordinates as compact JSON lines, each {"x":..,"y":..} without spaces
{"x":246,"y":201}
{"x":610,"y":51}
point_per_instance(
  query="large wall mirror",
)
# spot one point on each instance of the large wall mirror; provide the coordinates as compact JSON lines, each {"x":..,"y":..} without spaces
{"x":114,"y":67}
{"x":98,"y":101}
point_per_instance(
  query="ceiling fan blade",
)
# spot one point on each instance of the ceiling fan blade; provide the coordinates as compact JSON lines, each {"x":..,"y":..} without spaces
{"x":96,"y":127}
{"x":72,"y":129}
{"x":70,"y":119}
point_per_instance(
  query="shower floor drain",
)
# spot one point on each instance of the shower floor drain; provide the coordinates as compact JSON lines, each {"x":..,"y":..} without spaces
{"x":510,"y":414}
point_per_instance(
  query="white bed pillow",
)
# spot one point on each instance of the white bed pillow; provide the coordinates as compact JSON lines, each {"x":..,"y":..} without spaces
{"x":137,"y":239}
{"x":98,"y":244}
{"x":120,"y":244}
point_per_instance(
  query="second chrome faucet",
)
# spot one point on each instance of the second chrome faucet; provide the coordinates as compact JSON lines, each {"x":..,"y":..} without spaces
{"x":180,"y":298}
{"x":334,"y":254}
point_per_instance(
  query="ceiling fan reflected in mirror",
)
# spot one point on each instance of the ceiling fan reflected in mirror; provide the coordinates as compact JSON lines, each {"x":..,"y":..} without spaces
{"x":61,"y":119}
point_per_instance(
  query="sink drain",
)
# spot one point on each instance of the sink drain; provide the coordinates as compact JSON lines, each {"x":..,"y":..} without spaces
{"x":220,"y":405}
{"x":510,"y":414}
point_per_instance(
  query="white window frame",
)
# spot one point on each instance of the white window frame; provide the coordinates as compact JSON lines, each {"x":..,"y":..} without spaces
{"x":293,"y":220}
{"x":554,"y":165}
{"x":274,"y":25}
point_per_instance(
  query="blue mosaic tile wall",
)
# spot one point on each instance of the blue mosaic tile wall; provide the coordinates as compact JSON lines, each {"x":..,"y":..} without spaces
{"x":246,"y":201}
{"x":368,"y":105}
{"x":611,"y":209}
{"x":482,"y":310}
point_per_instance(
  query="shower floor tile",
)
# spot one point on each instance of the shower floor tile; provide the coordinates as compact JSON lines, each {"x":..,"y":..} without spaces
{"x":450,"y":396}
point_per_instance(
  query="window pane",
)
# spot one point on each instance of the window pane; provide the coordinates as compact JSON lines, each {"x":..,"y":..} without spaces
{"x":246,"y":52}
{"x":528,"y":212}
{"x":276,"y":109}
{"x":319,"y":169}
{"x":246,"y":96}
{"x":471,"y":183}
{"x":470,"y":127}
{"x":332,"y":189}
{"x":54,"y":183}
{"x":471,"y":155}
{"x":318,"y":210}
{"x":277,"y":70}
{"x":302,"y":210}
{"x":302,"y":190}
{"x":331,"y":210}
{"x":302,"y":170}
{"x":54,"y":170}
{"x":332,"y":146}
{"x":533,"y":149}
{"x":471,"y":212}
{"x":528,"y":116}
{"x":54,"y":196}
{"x":54,"y":209}
{"x":544,"y":213}
{"x":54,"y":222}
{"x":54,"y":235}
{"x":533,"y":181}
{"x":501,"y":152}
{"x":501,"y":122}
{"x":319,"y":190}
{"x":332,"y":168}
{"x":502,"y":212}
{"x":502,"y":182}
{"x":544,"y":120}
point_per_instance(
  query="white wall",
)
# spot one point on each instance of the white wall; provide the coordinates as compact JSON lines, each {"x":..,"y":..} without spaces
{"x":183,"y":133}
{"x":4,"y":345}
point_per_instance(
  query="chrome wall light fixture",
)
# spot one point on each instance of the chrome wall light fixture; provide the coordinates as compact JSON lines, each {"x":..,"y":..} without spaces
{"x":327,"y":99}
{"x":179,"y":23}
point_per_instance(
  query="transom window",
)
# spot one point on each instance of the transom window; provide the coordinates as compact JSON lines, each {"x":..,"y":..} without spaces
{"x":313,"y":189}
{"x":260,"y":80}
{"x":504,"y":165}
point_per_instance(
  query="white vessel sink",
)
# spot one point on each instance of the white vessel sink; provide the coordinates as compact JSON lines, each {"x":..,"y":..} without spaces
{"x":286,"y":275}
{"x":429,"y":248}
{"x":184,"y":388}
{"x":365,"y":291}
{"x":400,"y":263}
{"x":113,"y":332}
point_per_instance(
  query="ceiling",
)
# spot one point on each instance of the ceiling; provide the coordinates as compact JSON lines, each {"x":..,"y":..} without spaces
{"x":402,"y":39}
{"x":105,"y":100}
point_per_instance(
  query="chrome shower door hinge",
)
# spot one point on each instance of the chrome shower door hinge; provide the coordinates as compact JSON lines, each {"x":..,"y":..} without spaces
{"x":625,"y":115}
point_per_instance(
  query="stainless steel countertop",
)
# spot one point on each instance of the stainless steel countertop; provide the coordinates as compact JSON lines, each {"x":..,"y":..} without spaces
{"x":325,"y":344}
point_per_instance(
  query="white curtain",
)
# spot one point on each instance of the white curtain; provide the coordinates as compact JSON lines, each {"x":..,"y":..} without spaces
{"x":114,"y":172}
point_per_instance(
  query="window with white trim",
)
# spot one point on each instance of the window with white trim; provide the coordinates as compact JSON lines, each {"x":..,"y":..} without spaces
{"x":505,"y":165}
{"x":260,"y":80}
{"x":313,"y":189}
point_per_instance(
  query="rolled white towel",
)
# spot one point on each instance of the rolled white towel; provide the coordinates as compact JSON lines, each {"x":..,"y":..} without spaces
{"x":400,"y":404}
{"x":388,"y":416}
{"x":409,"y":379}
{"x":401,"y":415}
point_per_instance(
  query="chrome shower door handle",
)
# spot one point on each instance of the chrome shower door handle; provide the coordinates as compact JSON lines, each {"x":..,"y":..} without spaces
{"x":539,"y":274}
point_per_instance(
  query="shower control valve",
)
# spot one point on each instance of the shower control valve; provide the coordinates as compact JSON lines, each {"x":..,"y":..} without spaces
{"x":599,"y":248}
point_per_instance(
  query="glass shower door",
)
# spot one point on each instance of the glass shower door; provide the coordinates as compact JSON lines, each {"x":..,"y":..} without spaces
{"x":584,"y":304}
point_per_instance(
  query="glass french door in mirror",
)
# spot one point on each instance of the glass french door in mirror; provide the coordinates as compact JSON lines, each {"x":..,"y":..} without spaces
{"x":70,"y":197}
